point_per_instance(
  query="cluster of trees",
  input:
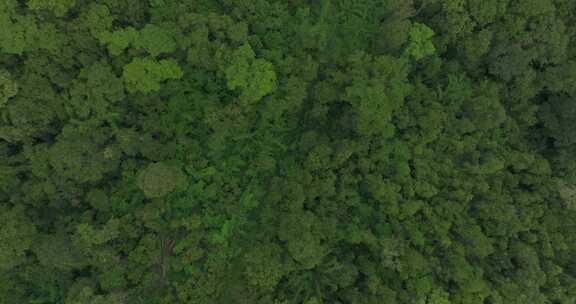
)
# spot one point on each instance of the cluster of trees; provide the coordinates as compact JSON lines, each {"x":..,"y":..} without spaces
{"x":279,"y":152}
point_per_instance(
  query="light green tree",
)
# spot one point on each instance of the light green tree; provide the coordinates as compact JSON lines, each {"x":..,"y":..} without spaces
{"x":420,"y":42}
{"x":254,"y":77}
{"x":155,"y":40}
{"x":146,"y":74}
{"x":8,"y":87}
{"x":98,"y":20}
{"x":118,"y":41}
{"x":16,"y":30}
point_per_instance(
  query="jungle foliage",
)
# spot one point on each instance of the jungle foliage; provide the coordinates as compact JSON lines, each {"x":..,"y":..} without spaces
{"x":288,"y":151}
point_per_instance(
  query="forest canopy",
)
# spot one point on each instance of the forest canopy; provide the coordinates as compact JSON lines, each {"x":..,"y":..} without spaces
{"x":288,"y":151}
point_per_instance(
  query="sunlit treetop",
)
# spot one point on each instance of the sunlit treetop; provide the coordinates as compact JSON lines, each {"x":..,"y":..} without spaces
{"x":8,"y":87}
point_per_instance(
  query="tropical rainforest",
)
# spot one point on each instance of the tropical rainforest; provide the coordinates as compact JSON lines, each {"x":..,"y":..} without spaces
{"x":288,"y":151}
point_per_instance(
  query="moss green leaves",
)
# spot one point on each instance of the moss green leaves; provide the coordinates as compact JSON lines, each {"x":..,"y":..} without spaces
{"x":80,"y":160}
{"x":378,"y":88}
{"x":16,"y":31}
{"x":145,"y":75}
{"x":270,"y":151}
{"x":16,"y":237}
{"x":98,"y":19}
{"x":160,"y":179}
{"x":155,"y":40}
{"x":420,"y":42}
{"x":95,"y":93}
{"x":8,"y":87}
{"x":119,"y":40}
{"x":253,"y":77}
{"x":58,"y":7}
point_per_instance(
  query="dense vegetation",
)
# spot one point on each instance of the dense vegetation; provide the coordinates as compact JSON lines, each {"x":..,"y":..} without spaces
{"x":288,"y":151}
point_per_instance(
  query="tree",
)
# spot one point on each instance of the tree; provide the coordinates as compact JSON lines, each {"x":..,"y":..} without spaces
{"x":155,"y":40}
{"x":16,"y":31}
{"x":118,"y":41}
{"x":8,"y":88}
{"x":95,"y":93}
{"x":254,"y":77}
{"x":80,"y":159}
{"x":378,"y":87}
{"x":58,"y":7}
{"x":160,"y":179}
{"x":17,"y":236}
{"x":145,"y":74}
{"x":420,"y":41}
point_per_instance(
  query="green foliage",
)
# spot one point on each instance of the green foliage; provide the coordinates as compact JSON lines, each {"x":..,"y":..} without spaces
{"x":80,"y":158}
{"x":160,"y":179}
{"x":254,"y":77}
{"x":378,"y":88}
{"x":420,"y":42}
{"x":119,"y":40}
{"x":16,"y":31}
{"x":16,"y":236}
{"x":58,"y":7}
{"x":95,"y":93}
{"x":98,"y":20}
{"x":8,"y":88}
{"x":155,"y":40}
{"x":268,"y":151}
{"x":146,"y":75}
